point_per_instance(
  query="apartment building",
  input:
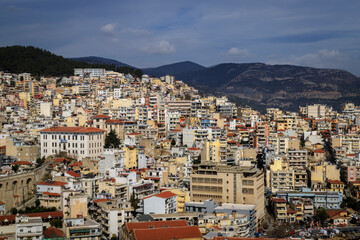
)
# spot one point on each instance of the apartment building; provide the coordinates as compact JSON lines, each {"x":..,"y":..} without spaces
{"x":79,"y":142}
{"x":28,"y":227}
{"x":228,"y":184}
{"x":161,"y":203}
{"x":297,"y":158}
{"x":91,"y":72}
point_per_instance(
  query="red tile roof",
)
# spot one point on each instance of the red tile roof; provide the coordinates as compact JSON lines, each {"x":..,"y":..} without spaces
{"x":101,"y":116}
{"x":164,"y":195}
{"x":73,"y":129}
{"x":114,"y":121}
{"x":280,"y":200}
{"x":157,"y":224}
{"x":43,"y":215}
{"x":52,"y":232}
{"x":319,"y":151}
{"x":52,"y":194}
{"x":334,"y":181}
{"x":74,"y":174}
{"x":21,"y":163}
{"x":102,"y":200}
{"x":52,"y":183}
{"x":2,"y":203}
{"x":61,"y":160}
{"x":76,"y":164}
{"x":185,"y":232}
{"x":193,"y":149}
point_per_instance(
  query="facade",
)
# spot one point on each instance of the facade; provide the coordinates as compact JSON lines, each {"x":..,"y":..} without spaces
{"x":229,"y":184}
{"x":28,"y":228}
{"x":79,"y":142}
{"x":162,"y":203}
{"x":82,"y":228}
{"x":91,"y":72}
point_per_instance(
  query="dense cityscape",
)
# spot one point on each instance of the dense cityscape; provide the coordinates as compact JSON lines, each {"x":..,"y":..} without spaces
{"x":106,"y":155}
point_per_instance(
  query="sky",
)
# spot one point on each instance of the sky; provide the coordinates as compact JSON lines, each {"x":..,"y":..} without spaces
{"x":321,"y":33}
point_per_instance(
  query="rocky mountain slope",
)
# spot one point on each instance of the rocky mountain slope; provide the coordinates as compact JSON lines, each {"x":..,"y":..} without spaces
{"x":285,"y":86}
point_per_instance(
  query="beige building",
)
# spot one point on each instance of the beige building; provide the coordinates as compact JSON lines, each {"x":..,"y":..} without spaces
{"x":228,"y":184}
{"x":22,"y":150}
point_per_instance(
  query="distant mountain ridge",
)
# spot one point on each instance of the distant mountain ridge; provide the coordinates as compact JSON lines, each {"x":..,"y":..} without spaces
{"x":173,"y":69}
{"x":256,"y":84}
{"x":100,"y":60}
{"x":285,"y":86}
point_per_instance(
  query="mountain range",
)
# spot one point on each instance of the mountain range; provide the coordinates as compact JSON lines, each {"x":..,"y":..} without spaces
{"x":262,"y":85}
{"x":255,"y":84}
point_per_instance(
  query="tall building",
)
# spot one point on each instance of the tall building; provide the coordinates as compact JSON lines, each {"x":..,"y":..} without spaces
{"x":229,"y":184}
{"x":79,"y":142}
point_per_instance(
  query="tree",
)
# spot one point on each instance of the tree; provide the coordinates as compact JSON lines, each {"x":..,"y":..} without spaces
{"x":37,"y":203}
{"x":321,"y":215}
{"x":56,"y":223}
{"x":112,"y":140}
{"x":173,"y":142}
{"x":15,"y":168}
{"x":14,"y":211}
{"x":134,"y":201}
{"x":40,"y":161}
{"x":46,"y":176}
{"x":114,"y":237}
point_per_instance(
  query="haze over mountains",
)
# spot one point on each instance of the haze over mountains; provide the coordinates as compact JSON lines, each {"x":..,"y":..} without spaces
{"x":255,"y":84}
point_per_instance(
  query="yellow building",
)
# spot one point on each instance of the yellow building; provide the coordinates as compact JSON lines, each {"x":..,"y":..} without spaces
{"x":130,"y":157}
{"x":229,"y":184}
{"x":117,"y":190}
{"x":211,"y":151}
{"x":74,"y":204}
{"x":183,"y":196}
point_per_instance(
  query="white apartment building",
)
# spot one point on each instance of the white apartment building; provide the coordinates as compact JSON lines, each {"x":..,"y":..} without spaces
{"x":162,"y":203}
{"x":78,"y":142}
{"x":28,"y":228}
{"x":92,"y":72}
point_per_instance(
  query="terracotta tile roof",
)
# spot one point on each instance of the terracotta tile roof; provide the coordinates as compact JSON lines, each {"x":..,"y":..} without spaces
{"x":73,"y":129}
{"x":74,"y":174}
{"x":280,"y":200}
{"x":101,"y":116}
{"x":76,"y":164}
{"x":193,"y":149}
{"x":52,"y":232}
{"x":164,"y":195}
{"x":2,"y":203}
{"x":241,"y":238}
{"x":102,"y":200}
{"x":114,"y":121}
{"x":319,"y":151}
{"x":21,"y":163}
{"x":130,"y":226}
{"x":52,"y":183}
{"x":335,"y":212}
{"x":185,"y":232}
{"x":52,"y":194}
{"x":61,"y":160}
{"x":334,"y":181}
{"x":43,"y":215}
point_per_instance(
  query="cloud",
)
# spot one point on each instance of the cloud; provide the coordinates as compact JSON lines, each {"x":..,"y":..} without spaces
{"x":237,"y":52}
{"x":160,"y":47}
{"x":136,"y":32}
{"x":108,"y":28}
{"x":321,"y":58}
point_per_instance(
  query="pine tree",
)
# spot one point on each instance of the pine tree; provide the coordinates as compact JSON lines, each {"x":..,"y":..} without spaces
{"x":112,"y":140}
